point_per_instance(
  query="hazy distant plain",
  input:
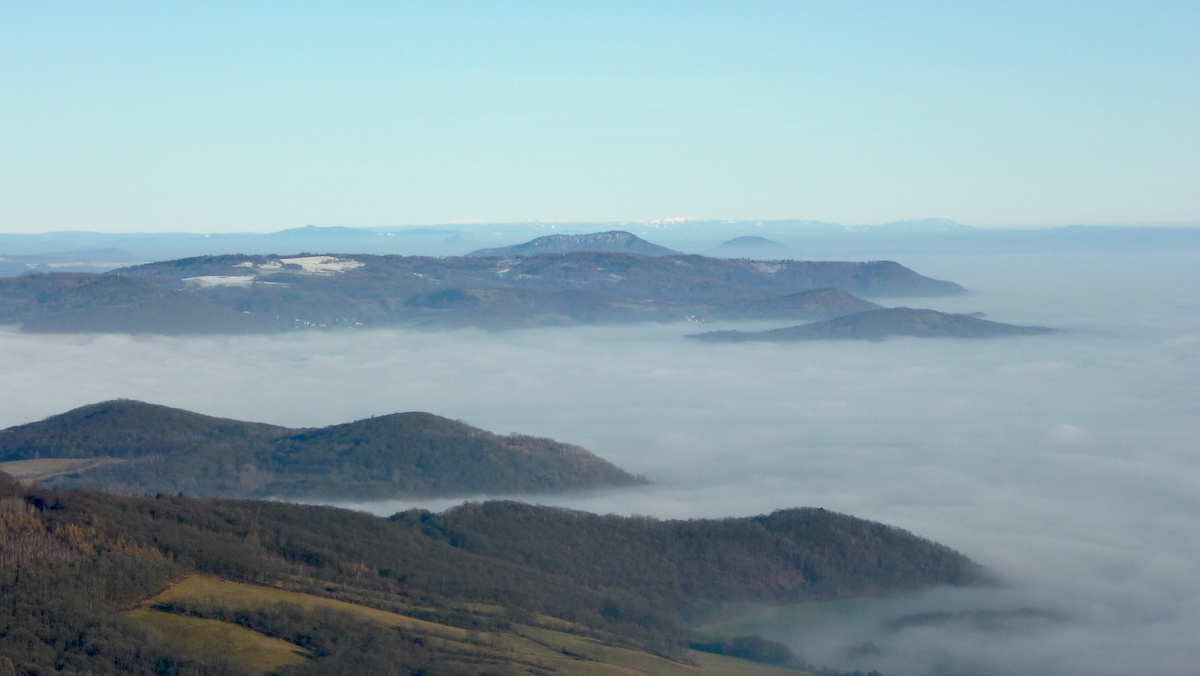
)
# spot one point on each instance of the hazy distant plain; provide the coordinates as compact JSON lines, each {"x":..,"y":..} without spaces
{"x":1067,"y":463}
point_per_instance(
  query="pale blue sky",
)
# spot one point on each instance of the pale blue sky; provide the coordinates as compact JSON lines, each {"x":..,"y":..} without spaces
{"x":215,"y":117}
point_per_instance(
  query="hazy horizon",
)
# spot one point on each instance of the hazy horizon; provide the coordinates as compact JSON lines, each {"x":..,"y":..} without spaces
{"x":664,"y":222}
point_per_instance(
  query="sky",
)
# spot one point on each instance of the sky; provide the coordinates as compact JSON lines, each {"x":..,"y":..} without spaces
{"x":222,"y":116}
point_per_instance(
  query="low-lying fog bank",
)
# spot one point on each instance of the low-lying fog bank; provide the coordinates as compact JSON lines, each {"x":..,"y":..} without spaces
{"x":1067,"y":463}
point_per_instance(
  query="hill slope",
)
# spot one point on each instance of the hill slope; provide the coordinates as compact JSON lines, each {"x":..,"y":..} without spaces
{"x":239,"y":294}
{"x":615,"y":241}
{"x":883,"y":323}
{"x":460,"y":593}
{"x":617,"y":275}
{"x":171,"y":450}
{"x":806,"y":305}
{"x":89,"y":303}
{"x":788,"y":556}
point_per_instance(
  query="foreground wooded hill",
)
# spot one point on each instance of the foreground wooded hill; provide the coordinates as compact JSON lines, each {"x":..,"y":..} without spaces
{"x":139,"y":447}
{"x":256,"y":294}
{"x":100,"y":582}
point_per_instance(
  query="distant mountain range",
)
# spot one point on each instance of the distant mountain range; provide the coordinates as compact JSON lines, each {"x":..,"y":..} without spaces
{"x":813,"y":240}
{"x":615,"y":241}
{"x":145,"y":448}
{"x":99,"y":260}
{"x":750,"y":246}
{"x":882,"y":323}
{"x":247,"y":294}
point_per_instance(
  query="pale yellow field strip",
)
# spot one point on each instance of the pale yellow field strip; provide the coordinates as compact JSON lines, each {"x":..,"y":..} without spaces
{"x":614,"y":660}
{"x":250,"y":651}
{"x":229,"y":594}
{"x":40,"y":469}
{"x":722,"y":665}
{"x":548,"y":649}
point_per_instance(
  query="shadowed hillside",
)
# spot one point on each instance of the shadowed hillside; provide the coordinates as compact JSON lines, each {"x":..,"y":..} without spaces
{"x":88,"y":303}
{"x":162,"y":449}
{"x":788,"y":556}
{"x":883,"y":323}
{"x":106,"y":583}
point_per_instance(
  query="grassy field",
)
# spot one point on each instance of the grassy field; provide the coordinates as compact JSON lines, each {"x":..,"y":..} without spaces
{"x":251,"y":651}
{"x":524,"y":649}
{"x":46,"y":468}
{"x":236,"y":595}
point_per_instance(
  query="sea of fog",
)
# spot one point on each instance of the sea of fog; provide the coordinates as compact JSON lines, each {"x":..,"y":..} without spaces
{"x":1069,"y":464}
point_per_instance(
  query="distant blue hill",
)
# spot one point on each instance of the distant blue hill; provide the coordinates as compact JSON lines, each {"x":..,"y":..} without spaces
{"x":323,"y":232}
{"x":749,"y":246}
{"x":615,"y":241}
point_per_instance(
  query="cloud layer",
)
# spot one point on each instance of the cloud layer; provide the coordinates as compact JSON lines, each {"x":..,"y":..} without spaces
{"x":1067,"y":463}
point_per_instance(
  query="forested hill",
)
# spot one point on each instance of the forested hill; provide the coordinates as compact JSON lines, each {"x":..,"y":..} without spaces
{"x":72,"y":563}
{"x":262,"y":294}
{"x":787,"y":556}
{"x":623,"y":275}
{"x":150,"y":449}
{"x":881,"y":323}
{"x":70,"y":302}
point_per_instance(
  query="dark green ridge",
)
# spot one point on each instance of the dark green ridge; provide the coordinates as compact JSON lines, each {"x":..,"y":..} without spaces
{"x":71,"y":560}
{"x":404,"y":454}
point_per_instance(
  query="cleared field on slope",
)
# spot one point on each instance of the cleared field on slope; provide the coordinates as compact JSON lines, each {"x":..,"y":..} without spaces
{"x":45,"y":468}
{"x":251,"y":652}
{"x":240,"y":596}
{"x":526,"y":649}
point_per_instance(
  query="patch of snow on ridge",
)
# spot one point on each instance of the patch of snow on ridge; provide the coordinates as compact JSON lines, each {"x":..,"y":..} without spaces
{"x":322,"y":265}
{"x":209,"y":281}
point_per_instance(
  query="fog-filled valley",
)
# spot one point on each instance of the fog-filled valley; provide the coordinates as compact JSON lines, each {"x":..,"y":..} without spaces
{"x":594,"y":339}
{"x":1066,"y":463}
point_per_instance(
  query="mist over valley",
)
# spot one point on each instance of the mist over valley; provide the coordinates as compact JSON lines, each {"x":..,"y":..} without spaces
{"x":1064,"y":463}
{"x":594,"y":339}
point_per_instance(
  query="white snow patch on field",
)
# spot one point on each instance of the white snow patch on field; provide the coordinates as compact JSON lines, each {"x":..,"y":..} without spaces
{"x":322,"y":265}
{"x":209,"y":281}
